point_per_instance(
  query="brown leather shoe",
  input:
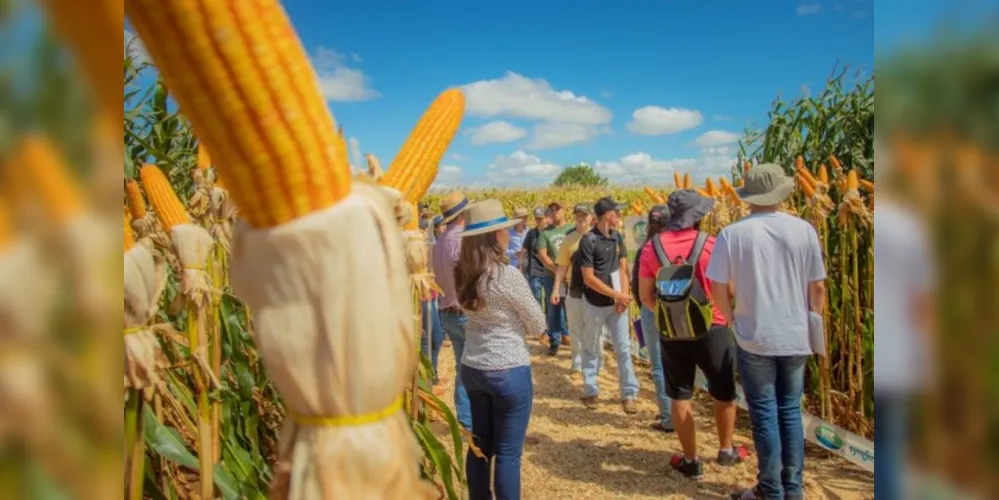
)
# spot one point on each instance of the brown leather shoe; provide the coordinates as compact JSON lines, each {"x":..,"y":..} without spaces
{"x":629,"y":406}
{"x":576,"y":376}
{"x":566,"y":340}
{"x":590,"y":402}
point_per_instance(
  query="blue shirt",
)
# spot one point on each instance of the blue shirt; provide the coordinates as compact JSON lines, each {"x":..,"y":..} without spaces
{"x":516,"y":243}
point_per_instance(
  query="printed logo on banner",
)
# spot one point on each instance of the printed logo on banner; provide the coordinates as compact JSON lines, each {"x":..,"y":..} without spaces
{"x":828,"y":437}
{"x":640,"y":229}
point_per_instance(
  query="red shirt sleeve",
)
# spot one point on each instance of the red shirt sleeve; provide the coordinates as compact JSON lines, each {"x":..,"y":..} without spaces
{"x":648,"y":265}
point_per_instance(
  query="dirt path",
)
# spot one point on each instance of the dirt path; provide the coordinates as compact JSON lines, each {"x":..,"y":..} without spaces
{"x":606,"y":454}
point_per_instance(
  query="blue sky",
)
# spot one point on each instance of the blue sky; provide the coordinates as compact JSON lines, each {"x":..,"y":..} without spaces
{"x":636,"y":91}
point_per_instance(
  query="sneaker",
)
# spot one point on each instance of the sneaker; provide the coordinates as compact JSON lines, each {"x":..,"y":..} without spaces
{"x":576,"y":376}
{"x":553,"y":350}
{"x":691,"y":469}
{"x":629,"y":406}
{"x":590,"y":402}
{"x":750,"y":494}
{"x":737,"y":455}
{"x":567,"y":340}
{"x":658,"y":426}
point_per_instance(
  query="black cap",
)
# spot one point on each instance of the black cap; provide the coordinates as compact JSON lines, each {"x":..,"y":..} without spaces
{"x":581,"y":208}
{"x":606,"y":204}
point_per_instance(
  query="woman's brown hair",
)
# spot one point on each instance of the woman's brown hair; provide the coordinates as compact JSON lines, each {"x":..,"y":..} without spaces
{"x":479,"y":254}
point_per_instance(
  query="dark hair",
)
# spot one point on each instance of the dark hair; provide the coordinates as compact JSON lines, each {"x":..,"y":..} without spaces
{"x":479,"y":254}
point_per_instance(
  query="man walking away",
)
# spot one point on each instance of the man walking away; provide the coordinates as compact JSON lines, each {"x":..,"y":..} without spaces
{"x":530,"y":264}
{"x":773,"y":261}
{"x":443,"y":259}
{"x":517,"y":234}
{"x":548,"y":244}
{"x":603,"y":260}
{"x":711,"y":348}
{"x":569,"y":274}
{"x":650,"y":333}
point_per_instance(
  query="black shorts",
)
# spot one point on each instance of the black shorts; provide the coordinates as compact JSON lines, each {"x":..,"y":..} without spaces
{"x":714,"y":354}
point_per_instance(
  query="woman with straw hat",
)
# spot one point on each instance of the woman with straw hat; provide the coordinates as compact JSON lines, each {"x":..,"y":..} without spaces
{"x":496,"y":363}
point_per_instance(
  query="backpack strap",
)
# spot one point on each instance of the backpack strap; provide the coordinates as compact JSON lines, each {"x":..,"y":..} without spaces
{"x":695,"y":252}
{"x":657,"y":245}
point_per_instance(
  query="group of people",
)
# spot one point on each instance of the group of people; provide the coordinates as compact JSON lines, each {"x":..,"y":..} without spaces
{"x":743,"y":301}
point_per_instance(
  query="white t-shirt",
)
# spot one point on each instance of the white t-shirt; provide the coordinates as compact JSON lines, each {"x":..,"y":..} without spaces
{"x":903,"y":268}
{"x":770,"y":258}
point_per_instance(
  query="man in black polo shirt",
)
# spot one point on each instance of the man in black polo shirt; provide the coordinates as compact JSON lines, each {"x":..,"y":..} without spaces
{"x":603,"y":260}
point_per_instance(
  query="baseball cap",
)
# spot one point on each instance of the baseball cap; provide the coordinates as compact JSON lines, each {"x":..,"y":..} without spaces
{"x":539,"y":212}
{"x":581,"y":208}
{"x":606,"y":204}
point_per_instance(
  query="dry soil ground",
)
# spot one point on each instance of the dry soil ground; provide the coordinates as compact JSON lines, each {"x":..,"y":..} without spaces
{"x":579,"y":454}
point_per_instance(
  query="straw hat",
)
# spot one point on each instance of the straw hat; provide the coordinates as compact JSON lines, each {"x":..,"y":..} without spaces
{"x":485,"y":217}
{"x":520,"y":213}
{"x":453,"y":205}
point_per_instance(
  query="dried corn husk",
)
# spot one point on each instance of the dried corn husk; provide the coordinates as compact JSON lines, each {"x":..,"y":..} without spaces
{"x":145,"y":279}
{"x":334,"y":327}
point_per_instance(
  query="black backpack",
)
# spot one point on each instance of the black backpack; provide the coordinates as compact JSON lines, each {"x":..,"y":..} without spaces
{"x":683,"y":311}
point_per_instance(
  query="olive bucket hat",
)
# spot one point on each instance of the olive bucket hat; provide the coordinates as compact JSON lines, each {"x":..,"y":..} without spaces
{"x":766,"y":185}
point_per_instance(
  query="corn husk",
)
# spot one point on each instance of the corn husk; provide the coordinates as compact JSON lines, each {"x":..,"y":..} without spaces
{"x":224,"y":212}
{"x":334,"y":328}
{"x":145,"y":279}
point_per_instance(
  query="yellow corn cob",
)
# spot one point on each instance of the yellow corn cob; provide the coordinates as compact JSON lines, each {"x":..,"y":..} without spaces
{"x":656,"y":197}
{"x":723,"y":181}
{"x":746,"y":166}
{"x":805,"y":185}
{"x":204,"y":161}
{"x":835,"y":163}
{"x":729,"y":190}
{"x":867,"y":185}
{"x":677,"y":180}
{"x":89,"y":28}
{"x":136,"y":204}
{"x":129,"y":238}
{"x":240,"y":73}
{"x":414,"y":168}
{"x":799,"y":166}
{"x":49,"y":178}
{"x":823,"y":174}
{"x":851,"y":180}
{"x":686,"y":181}
{"x":6,"y":233}
{"x":169,"y":210}
{"x":709,"y":187}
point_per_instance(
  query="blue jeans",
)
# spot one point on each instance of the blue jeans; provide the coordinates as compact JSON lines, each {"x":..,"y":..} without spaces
{"x":436,"y":333}
{"x":557,"y":322}
{"x":773,"y":386}
{"x":890,"y":445}
{"x":617,"y":326}
{"x":652,"y":345}
{"x":454,"y":327}
{"x":501,"y":409}
{"x":537,"y":284}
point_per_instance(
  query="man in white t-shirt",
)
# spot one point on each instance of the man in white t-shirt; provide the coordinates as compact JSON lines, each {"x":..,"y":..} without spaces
{"x":773,"y":262}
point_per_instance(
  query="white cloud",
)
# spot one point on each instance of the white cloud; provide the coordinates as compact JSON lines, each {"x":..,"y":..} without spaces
{"x":653,"y":120}
{"x":458,"y":157}
{"x":520,"y":168}
{"x":549,"y":135}
{"x":497,"y":132}
{"x":448,"y":176}
{"x":530,"y":98}
{"x":135,"y":48}
{"x":716,"y":138}
{"x":337,"y":81}
{"x":807,"y":9}
{"x":643,"y":169}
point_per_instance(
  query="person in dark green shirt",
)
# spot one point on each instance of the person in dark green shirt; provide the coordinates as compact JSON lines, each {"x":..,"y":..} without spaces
{"x":547,"y":246}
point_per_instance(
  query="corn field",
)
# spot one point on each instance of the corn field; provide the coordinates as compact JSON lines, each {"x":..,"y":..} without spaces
{"x":827,"y":143}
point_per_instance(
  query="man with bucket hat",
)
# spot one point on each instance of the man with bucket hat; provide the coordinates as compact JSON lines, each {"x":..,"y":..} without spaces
{"x":711,"y":349}
{"x":530,"y":263}
{"x":772,"y":262}
{"x":444,"y":256}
